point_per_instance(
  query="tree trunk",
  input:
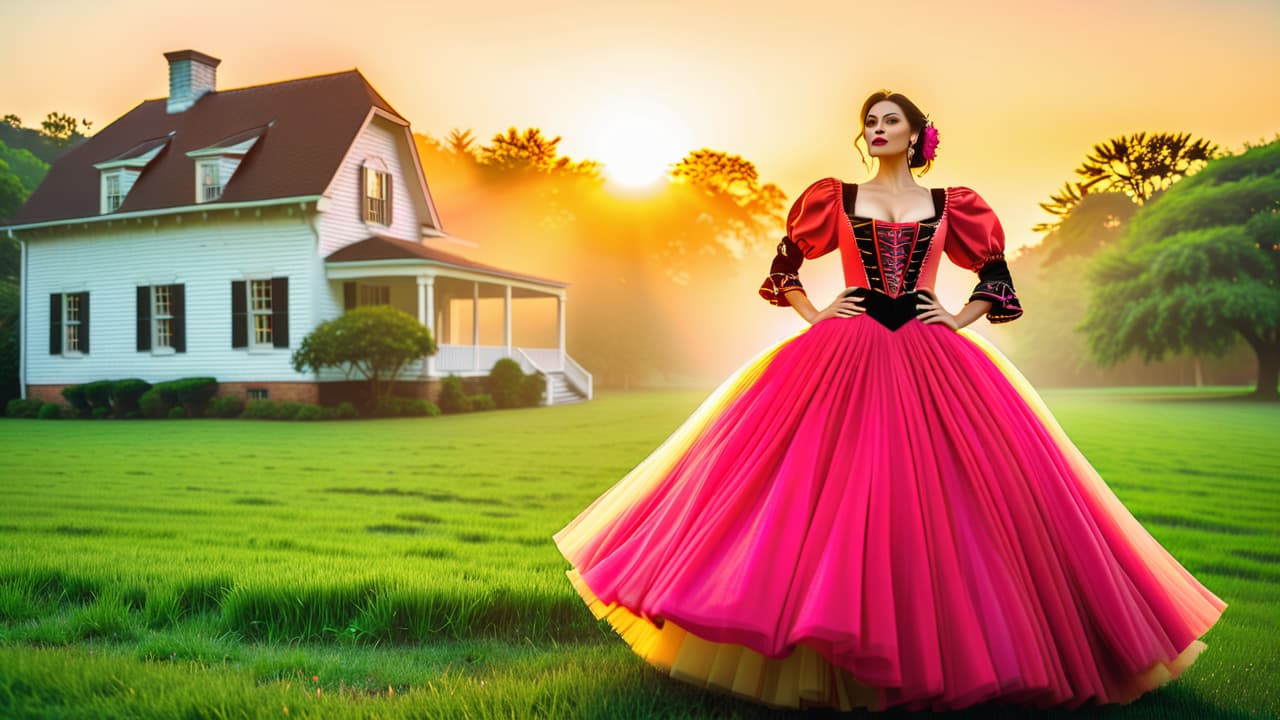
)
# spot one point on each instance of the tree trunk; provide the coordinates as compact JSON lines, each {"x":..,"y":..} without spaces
{"x":1268,"y":371}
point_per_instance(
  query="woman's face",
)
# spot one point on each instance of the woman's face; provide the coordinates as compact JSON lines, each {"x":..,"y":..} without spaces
{"x":887,"y":131}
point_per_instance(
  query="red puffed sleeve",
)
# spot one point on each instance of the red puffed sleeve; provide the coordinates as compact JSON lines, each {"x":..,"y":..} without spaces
{"x":975,"y":241}
{"x":811,"y":233}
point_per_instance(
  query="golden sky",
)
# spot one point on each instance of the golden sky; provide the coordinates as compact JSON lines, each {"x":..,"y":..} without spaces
{"x":1019,"y":91}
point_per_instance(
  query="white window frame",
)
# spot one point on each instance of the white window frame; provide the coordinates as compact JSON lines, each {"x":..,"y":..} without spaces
{"x":68,"y":324}
{"x":212,"y":192}
{"x":156,"y":347}
{"x":252,"y":314}
{"x":376,"y":207}
{"x":107,"y":196}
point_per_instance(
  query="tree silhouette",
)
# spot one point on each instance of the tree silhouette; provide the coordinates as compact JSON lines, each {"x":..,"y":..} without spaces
{"x":1142,"y":166}
{"x":531,"y":151}
{"x":60,"y":129}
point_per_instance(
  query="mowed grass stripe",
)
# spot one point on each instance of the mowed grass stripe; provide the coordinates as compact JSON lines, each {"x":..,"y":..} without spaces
{"x":212,"y":544}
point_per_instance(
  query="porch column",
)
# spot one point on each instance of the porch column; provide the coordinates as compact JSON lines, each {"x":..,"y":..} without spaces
{"x":475,"y":326}
{"x":506,"y":313}
{"x":427,"y":315}
{"x":560,"y":317}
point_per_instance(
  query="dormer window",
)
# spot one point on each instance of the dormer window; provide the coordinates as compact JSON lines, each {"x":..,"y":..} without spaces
{"x":208,"y":180}
{"x":377,"y":192}
{"x":216,"y":164}
{"x":119,"y":173}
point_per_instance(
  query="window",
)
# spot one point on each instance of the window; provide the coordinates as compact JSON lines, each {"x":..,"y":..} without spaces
{"x":209,"y":184}
{"x":113,"y":197}
{"x":161,"y":319}
{"x":377,"y":196}
{"x":375,"y":294}
{"x":257,"y":393}
{"x":69,"y":323}
{"x":260,"y":313}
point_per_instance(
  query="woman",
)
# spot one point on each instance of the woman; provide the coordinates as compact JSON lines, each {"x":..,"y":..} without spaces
{"x":879,"y":511}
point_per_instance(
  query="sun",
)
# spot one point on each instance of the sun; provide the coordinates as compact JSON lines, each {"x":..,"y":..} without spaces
{"x":637,"y":139}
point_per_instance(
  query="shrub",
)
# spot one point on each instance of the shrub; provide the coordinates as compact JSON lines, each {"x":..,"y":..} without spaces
{"x":154,"y":404}
{"x":532,"y":387}
{"x":312,"y":412}
{"x":194,"y":393}
{"x":346,"y":411}
{"x":99,"y":413}
{"x":177,"y":413}
{"x":452,"y":399}
{"x":50,"y":411}
{"x":125,"y":394}
{"x":257,"y":410}
{"x":285,"y":410}
{"x":98,"y":393}
{"x":75,"y":397}
{"x":227,"y":406}
{"x":20,"y":408}
{"x":483,"y":402}
{"x":375,"y":341}
{"x":504,"y":382}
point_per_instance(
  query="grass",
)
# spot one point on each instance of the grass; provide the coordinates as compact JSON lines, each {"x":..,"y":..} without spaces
{"x":404,"y":568}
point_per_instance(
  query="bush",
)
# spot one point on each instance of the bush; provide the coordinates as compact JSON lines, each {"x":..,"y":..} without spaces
{"x":482,"y":402}
{"x":504,"y":382}
{"x":272,"y":410}
{"x":98,"y":393}
{"x":20,"y":408}
{"x":395,"y":406}
{"x":227,"y":406}
{"x":99,"y":413}
{"x":346,"y":411}
{"x":312,"y":412}
{"x":76,"y":398}
{"x":194,"y":393}
{"x":177,"y":413}
{"x":125,"y":394}
{"x":50,"y":411}
{"x":154,"y":403}
{"x":452,"y":399}
{"x":532,"y":387}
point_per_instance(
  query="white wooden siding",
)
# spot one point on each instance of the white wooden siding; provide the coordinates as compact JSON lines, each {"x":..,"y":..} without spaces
{"x":205,"y":256}
{"x":343,"y":223}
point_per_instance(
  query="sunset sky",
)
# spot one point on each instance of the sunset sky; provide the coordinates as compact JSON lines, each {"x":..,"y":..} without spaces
{"x":1020,"y":92}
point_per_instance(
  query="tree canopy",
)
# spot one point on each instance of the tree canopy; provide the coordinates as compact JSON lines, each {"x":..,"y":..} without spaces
{"x":375,"y":341}
{"x":1198,"y":266}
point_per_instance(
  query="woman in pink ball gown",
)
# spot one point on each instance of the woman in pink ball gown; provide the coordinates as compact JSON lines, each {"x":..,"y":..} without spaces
{"x":879,"y":511}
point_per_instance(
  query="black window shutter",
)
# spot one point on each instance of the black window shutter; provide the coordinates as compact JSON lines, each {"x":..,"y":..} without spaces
{"x":389,"y":195}
{"x":84,"y":322}
{"x":178,"y":306}
{"x":144,"y":318}
{"x":239,"y":315}
{"x":280,"y":312}
{"x":55,"y":324}
{"x":348,"y":296}
{"x":363,"y":194}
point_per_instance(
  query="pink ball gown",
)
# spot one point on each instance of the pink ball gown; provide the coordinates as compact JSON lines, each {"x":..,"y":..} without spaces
{"x":880,"y":512}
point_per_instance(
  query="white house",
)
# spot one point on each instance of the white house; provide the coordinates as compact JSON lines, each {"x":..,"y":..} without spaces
{"x":208,"y":232}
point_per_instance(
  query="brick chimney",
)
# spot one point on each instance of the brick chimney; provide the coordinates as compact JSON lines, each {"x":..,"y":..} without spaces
{"x":191,"y":74}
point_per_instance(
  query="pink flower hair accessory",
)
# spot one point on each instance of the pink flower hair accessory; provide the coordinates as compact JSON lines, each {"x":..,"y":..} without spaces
{"x":930,"y":144}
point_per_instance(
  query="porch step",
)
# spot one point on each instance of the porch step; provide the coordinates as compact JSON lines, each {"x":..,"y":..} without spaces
{"x":562,"y":391}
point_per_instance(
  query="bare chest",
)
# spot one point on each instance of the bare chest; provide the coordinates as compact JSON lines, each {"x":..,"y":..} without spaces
{"x":873,"y":203}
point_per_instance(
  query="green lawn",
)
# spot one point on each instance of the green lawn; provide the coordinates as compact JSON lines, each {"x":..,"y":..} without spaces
{"x":404,"y":568}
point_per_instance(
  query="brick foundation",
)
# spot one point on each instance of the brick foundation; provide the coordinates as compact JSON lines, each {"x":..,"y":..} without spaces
{"x":286,"y":391}
{"x":327,"y":393}
{"x":47,"y":393}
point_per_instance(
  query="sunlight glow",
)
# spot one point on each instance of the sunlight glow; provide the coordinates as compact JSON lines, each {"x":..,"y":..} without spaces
{"x":637,"y":139}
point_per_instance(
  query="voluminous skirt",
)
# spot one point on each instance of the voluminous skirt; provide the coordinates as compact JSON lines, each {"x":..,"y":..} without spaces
{"x":859,"y":517}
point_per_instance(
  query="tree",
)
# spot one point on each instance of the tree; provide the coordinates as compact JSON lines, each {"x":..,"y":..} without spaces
{"x":60,"y":129}
{"x":1140,"y":166}
{"x":376,"y":341}
{"x":1199,"y":268}
{"x":531,"y":151}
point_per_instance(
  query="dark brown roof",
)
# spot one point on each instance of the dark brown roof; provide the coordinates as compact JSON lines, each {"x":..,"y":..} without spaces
{"x":378,"y":247}
{"x":313,"y":121}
